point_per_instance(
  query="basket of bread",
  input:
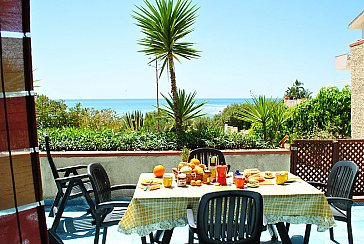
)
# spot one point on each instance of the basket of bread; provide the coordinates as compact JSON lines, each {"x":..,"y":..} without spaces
{"x":193,"y":170}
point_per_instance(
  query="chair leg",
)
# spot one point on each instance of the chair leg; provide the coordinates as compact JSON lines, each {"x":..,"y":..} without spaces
{"x":191,"y":236}
{"x":104,"y":235}
{"x":144,"y":240}
{"x":272,"y":231}
{"x":151,"y":237}
{"x":307,"y":234}
{"x":332,"y":233}
{"x":97,"y":233}
{"x":287,"y":226}
{"x":55,"y":203}
{"x":350,"y":232}
{"x":157,"y":235}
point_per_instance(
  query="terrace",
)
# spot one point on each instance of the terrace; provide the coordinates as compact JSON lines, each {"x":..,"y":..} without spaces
{"x":76,"y":228}
{"x":76,"y":224}
{"x":22,"y":209}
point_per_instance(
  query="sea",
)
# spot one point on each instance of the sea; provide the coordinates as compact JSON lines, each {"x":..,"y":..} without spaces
{"x":122,"y":106}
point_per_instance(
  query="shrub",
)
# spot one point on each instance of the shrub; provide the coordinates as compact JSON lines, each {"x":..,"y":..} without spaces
{"x":229,"y":116}
{"x":329,"y":112}
{"x":51,"y":113}
{"x":56,"y":114}
{"x":76,"y":139}
{"x":266,"y":116}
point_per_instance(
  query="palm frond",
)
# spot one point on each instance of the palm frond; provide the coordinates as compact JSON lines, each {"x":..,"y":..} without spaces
{"x":188,"y":109}
{"x":164,"y":25}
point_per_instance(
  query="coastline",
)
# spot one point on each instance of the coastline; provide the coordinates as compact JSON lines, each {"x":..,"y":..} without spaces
{"x":123,"y":106}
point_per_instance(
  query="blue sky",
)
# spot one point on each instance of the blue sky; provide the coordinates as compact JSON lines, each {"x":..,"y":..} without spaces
{"x":88,"y":49}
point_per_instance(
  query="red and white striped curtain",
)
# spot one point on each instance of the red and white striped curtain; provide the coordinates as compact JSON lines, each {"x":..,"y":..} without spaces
{"x":22,"y":218}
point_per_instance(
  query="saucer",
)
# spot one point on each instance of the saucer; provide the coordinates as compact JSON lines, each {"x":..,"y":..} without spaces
{"x":252,"y":186}
{"x":271,"y":177}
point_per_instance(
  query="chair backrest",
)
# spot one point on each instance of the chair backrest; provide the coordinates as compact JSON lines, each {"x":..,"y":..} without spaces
{"x":341,"y":180}
{"x":234,"y":216}
{"x":100,"y":182}
{"x":50,"y":159}
{"x":203,"y":154}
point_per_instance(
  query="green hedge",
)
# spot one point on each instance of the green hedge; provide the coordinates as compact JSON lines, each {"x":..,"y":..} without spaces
{"x":74,"y":139}
{"x":329,"y":114}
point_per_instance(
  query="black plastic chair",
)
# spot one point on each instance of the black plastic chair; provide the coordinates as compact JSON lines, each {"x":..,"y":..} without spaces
{"x":107,"y":211}
{"x":234,"y":216}
{"x":339,"y":193}
{"x":203,"y":154}
{"x":61,"y":184}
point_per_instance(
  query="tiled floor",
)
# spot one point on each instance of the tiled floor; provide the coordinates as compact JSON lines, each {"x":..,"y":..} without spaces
{"x":76,"y":229}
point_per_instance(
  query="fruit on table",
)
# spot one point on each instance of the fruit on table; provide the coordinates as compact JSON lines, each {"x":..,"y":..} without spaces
{"x":195,"y":161}
{"x":159,"y":171}
{"x":192,"y":182}
{"x":198,"y":183}
{"x":181,"y":164}
{"x":198,"y":169}
{"x":202,"y":166}
{"x":192,"y":165}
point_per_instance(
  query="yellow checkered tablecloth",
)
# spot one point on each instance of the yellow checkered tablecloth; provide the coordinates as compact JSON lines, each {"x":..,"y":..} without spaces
{"x":296,"y":203}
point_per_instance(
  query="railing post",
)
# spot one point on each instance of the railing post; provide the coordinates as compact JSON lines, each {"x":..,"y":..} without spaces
{"x":335,"y":152}
{"x":293,"y":158}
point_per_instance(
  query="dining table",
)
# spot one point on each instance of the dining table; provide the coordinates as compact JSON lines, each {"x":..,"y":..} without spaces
{"x":294,"y":202}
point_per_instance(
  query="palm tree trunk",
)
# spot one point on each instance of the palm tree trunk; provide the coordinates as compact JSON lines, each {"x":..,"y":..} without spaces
{"x":177,"y":118}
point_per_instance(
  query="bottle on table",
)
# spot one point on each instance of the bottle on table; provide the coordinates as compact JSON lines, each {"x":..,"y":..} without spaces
{"x":213,"y":168}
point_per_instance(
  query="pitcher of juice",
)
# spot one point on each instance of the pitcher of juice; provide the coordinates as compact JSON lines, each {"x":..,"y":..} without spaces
{"x":221,"y":174}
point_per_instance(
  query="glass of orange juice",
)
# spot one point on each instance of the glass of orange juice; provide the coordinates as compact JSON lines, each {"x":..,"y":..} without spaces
{"x":239,"y":181}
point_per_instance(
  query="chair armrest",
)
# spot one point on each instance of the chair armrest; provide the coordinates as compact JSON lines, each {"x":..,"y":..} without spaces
{"x":123,"y":187}
{"x":317,"y":184}
{"x":72,"y":168}
{"x":112,"y":204}
{"x":71,"y":178}
{"x":341,"y":200}
{"x":191,"y":219}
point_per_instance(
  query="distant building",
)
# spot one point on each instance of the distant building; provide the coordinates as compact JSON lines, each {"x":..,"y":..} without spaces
{"x":355,"y":63}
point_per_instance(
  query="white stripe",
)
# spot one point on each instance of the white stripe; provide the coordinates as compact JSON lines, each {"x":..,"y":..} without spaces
{"x":17,"y":94}
{"x":19,"y":151}
{"x":21,"y":208}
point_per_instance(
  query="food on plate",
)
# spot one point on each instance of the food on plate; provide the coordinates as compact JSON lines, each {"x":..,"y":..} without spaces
{"x":159,"y":171}
{"x":257,"y":177}
{"x":268,"y":174}
{"x":151,"y":181}
{"x":195,"y":161}
{"x":249,"y":172}
{"x":154,"y":187}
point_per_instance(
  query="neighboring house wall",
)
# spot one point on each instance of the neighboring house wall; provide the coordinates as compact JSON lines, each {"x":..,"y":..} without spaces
{"x":357,"y":83}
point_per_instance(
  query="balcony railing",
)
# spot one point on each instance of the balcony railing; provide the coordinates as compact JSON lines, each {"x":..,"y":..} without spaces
{"x":342,"y":62}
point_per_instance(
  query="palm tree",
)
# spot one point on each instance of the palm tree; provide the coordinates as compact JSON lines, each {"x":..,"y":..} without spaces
{"x":164,"y":26}
{"x":187,"y":107}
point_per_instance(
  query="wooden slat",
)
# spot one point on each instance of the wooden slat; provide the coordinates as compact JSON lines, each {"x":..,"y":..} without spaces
{"x":13,"y":64}
{"x":6,"y":185}
{"x":18,"y":124}
{"x":24,"y":184}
